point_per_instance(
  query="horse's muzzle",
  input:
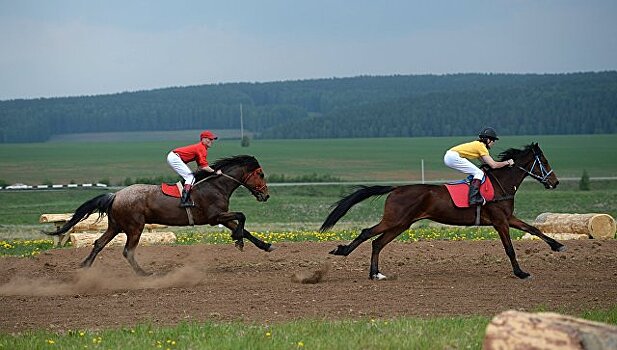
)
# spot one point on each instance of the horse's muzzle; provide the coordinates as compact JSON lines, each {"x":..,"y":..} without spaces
{"x":550,"y":186}
{"x":262,"y":197}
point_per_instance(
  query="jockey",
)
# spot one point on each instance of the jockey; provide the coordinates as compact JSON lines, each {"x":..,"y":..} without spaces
{"x":198,"y":152}
{"x":458,"y":158}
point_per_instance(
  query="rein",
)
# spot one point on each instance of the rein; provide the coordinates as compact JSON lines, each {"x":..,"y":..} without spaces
{"x":241,"y":183}
{"x":541,"y":178}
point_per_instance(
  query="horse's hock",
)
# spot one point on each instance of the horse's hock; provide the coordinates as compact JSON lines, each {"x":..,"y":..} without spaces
{"x":87,"y":231}
{"x":576,"y":226}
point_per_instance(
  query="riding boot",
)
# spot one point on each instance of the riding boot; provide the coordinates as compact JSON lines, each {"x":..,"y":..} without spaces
{"x":185,"y":201}
{"x":475,"y":198}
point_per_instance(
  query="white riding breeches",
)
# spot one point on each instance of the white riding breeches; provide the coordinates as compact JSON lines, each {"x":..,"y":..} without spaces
{"x":453,"y":160}
{"x":176,"y":163}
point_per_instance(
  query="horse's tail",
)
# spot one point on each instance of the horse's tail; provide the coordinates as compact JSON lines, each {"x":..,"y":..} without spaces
{"x":343,"y":205}
{"x":101,"y":203}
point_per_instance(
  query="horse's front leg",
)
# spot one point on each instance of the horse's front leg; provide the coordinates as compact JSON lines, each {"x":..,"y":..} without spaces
{"x":504,"y":234}
{"x":236,"y":229}
{"x":523,"y":226}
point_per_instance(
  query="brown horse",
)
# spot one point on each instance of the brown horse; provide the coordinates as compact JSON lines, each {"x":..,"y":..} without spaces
{"x":410,"y":203}
{"x":129,"y":209}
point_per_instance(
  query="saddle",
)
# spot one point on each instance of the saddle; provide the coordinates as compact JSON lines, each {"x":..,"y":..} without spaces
{"x":175,"y":190}
{"x":172,"y":190}
{"x":459,"y":191}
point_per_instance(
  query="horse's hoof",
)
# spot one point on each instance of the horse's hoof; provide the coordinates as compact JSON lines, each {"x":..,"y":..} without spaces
{"x":378,"y":277}
{"x":239,"y":245}
{"x":562,"y":248}
{"x":523,"y":275}
{"x":338,"y":250}
{"x":271,"y":248}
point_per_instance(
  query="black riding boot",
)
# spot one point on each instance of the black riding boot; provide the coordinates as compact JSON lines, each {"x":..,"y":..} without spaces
{"x":186,"y":201}
{"x":475,"y":198}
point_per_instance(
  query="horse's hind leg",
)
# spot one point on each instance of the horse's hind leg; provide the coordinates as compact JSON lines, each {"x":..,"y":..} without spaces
{"x":132,"y":239}
{"x":111,"y":232}
{"x":366,"y":233}
{"x":378,"y":245}
{"x":523,"y":226}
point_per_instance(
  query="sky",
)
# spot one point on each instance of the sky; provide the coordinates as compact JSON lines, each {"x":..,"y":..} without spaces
{"x":89,"y":47}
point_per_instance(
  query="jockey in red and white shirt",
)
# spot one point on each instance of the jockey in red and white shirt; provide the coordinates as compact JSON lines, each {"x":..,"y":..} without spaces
{"x":198,"y":152}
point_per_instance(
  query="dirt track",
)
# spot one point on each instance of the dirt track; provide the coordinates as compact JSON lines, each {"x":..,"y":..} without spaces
{"x":219,"y":283}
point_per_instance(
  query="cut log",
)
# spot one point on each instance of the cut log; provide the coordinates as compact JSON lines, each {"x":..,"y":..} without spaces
{"x":560,"y":236}
{"x":521,"y":330}
{"x":92,"y":223}
{"x":598,"y":226}
{"x":147,"y":238}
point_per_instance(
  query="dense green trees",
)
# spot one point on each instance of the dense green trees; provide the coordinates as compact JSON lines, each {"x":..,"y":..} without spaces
{"x":426,"y":105}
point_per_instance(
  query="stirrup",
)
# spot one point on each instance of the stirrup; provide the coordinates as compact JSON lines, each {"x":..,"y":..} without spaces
{"x":188,"y":204}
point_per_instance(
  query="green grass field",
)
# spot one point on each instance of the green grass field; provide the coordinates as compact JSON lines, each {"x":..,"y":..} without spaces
{"x":300,"y":209}
{"x":375,"y":159}
{"x":398,"y":333}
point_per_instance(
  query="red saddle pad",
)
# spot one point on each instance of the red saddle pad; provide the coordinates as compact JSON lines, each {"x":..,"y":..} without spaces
{"x":460,"y":192}
{"x":170,"y":190}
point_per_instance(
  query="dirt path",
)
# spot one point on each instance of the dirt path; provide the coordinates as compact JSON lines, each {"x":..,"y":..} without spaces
{"x":219,"y":283}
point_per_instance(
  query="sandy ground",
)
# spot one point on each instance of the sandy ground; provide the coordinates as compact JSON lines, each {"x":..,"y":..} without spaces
{"x":219,"y":283}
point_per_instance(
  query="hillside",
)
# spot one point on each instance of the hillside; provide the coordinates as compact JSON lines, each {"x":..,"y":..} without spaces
{"x":416,"y":105}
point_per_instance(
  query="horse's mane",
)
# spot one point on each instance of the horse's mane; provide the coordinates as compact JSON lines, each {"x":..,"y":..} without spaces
{"x":515,"y":153}
{"x":225,"y":163}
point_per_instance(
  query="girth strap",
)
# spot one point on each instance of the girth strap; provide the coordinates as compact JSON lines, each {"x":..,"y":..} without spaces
{"x":478,"y":215}
{"x":188,"y":209}
{"x":190,"y":215}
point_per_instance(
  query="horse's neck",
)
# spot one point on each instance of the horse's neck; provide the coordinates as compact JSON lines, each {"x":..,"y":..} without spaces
{"x":509,"y":179}
{"x":223,"y":184}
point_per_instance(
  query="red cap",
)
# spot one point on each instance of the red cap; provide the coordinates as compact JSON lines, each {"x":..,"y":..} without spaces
{"x":208,"y":134}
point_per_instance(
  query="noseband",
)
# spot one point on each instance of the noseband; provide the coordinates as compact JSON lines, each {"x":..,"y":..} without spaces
{"x":543,"y":177}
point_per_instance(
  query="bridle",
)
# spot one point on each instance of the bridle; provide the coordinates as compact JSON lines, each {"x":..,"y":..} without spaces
{"x":543,"y":178}
{"x":544,"y":174}
{"x":244,"y":182}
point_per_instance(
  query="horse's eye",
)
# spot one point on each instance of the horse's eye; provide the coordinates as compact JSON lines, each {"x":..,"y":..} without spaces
{"x":261,"y":175}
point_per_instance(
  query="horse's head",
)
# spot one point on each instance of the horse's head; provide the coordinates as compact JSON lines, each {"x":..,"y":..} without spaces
{"x":255,"y":181}
{"x":246,"y":171}
{"x":532,"y":161}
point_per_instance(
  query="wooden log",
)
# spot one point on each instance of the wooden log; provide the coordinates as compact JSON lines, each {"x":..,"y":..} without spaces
{"x":91,"y":223}
{"x":598,"y":226}
{"x":560,"y":236}
{"x":147,"y":238}
{"x":521,"y":330}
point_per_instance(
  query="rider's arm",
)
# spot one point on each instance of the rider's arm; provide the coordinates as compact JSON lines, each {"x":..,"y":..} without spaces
{"x":493,"y":164}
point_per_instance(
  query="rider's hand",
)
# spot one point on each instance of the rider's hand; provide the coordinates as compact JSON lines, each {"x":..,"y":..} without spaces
{"x":510,"y":162}
{"x":218,"y":172}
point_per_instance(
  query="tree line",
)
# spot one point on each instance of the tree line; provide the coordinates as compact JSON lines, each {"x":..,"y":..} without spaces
{"x":365,"y":106}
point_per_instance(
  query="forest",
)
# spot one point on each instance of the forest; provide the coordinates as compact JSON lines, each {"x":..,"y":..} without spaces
{"x":364,"y":106}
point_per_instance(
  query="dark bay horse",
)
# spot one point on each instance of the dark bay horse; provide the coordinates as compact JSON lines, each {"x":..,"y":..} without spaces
{"x":408,"y":204}
{"x":129,"y":209}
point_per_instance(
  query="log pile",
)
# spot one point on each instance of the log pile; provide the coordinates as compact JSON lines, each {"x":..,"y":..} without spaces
{"x":87,"y":231}
{"x":91,"y":223}
{"x":575,"y":226}
{"x":79,"y":240}
{"x":521,"y":330}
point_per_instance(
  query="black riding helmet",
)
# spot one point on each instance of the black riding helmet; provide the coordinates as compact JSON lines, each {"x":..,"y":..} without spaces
{"x":488,"y":133}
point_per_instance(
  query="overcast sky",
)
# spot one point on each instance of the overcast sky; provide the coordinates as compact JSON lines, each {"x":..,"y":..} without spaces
{"x":70,"y":47}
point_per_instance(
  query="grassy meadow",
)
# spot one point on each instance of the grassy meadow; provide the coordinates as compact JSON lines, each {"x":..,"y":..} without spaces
{"x":373,"y":159}
{"x":293,"y":213}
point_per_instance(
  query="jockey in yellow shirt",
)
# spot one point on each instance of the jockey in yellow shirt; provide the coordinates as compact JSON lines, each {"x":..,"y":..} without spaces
{"x":458,"y":158}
